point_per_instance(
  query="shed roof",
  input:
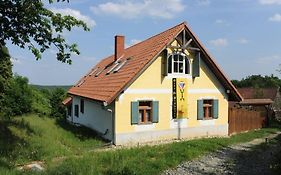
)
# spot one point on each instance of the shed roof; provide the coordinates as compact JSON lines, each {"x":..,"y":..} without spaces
{"x":258,"y":93}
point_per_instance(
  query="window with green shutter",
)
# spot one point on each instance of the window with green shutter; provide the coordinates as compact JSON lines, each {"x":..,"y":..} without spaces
{"x":207,"y":109}
{"x":215,"y":109}
{"x":155,"y":111}
{"x":144,"y":112}
{"x":200,"y":112}
{"x":134,"y":112}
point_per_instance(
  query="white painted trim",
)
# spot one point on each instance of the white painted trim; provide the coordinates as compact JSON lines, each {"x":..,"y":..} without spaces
{"x":169,"y":91}
{"x":178,"y":75}
{"x":205,"y":91}
{"x":207,"y":122}
{"x":145,"y":127}
{"x":148,"y":91}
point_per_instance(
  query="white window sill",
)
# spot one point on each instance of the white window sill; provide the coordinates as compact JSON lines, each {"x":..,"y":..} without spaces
{"x":208,"y":122}
{"x":170,"y":76}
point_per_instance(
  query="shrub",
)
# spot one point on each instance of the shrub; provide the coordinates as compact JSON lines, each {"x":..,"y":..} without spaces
{"x":18,"y":98}
{"x":56,"y":98}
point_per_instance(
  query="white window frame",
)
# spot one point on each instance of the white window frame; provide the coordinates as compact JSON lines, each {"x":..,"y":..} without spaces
{"x":172,"y":66}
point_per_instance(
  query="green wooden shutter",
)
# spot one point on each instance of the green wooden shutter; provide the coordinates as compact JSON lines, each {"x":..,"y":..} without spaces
{"x":200,"y":112}
{"x":215,"y":109}
{"x":165,"y":62}
{"x":196,"y":65}
{"x":134,"y":112}
{"x":155,"y":111}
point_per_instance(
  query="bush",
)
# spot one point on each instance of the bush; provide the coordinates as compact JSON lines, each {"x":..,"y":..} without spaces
{"x":18,"y":97}
{"x":56,"y":98}
{"x":41,"y":101}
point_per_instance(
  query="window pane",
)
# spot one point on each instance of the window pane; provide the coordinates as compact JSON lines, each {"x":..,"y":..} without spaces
{"x":176,"y":57}
{"x":148,"y":116}
{"x":141,"y":116}
{"x":176,"y":67}
{"x":180,"y":67}
{"x":180,"y":57}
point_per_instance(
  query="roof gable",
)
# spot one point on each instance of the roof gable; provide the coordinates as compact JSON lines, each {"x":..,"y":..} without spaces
{"x":103,"y":84}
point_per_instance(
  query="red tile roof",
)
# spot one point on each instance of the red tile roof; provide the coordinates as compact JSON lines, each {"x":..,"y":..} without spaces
{"x":67,"y":101}
{"x":258,"y":93}
{"x":106,"y":88}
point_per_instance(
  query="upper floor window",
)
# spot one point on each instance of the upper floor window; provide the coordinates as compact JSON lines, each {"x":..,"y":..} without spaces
{"x":178,"y":63}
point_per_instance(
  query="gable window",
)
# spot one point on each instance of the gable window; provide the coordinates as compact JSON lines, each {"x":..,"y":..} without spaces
{"x":144,"y":112}
{"x":82,"y":106}
{"x":76,"y":110}
{"x":207,"y":109}
{"x":178,"y":63}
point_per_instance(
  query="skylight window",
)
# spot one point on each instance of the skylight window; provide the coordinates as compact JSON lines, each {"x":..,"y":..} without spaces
{"x":98,"y":73}
{"x":110,"y":70}
{"x":80,"y":83}
{"x":120,"y":66}
{"x":94,"y":70}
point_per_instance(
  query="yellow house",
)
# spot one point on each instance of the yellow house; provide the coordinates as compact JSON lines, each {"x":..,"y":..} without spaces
{"x":166,"y":87}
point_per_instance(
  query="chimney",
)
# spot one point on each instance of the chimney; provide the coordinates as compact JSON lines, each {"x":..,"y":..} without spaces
{"x":119,"y":46}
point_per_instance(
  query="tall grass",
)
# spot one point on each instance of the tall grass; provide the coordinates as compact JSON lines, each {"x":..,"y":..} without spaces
{"x":69,"y":150}
{"x":148,"y":159}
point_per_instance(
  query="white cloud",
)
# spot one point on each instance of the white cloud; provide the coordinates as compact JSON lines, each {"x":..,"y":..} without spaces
{"x":203,"y":2}
{"x":133,"y":42}
{"x":270,"y":2}
{"x":275,"y":18}
{"x":15,"y":61}
{"x":75,"y":13}
{"x":220,"y":42}
{"x":269,"y":59}
{"x":243,"y":41}
{"x":131,"y":9}
{"x":219,"y":21}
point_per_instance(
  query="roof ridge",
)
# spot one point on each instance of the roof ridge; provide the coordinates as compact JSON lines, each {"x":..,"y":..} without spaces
{"x":184,"y":22}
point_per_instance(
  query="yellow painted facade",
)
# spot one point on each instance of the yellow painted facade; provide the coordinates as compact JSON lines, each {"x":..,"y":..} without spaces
{"x":153,"y":85}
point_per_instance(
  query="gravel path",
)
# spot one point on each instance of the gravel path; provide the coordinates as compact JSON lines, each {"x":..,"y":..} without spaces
{"x":242,"y":158}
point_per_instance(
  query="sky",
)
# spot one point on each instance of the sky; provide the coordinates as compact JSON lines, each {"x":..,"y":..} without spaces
{"x":243,"y":36}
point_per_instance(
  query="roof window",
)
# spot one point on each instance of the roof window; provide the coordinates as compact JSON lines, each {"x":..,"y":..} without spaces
{"x":119,"y":66}
{"x":80,"y":83}
{"x":113,"y":67}
{"x":93,"y":71}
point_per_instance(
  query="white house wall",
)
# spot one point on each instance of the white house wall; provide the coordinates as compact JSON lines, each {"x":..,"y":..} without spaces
{"x":95,"y":117}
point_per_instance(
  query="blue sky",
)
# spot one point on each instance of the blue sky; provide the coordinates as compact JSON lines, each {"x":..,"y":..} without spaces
{"x":243,"y":36}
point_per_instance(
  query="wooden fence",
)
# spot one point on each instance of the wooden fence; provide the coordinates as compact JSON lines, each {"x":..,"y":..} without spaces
{"x":240,"y":120}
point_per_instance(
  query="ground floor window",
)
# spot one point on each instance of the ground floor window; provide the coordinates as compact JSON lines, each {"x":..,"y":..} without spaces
{"x":76,"y":110}
{"x":144,"y":112}
{"x":207,"y":109}
{"x":69,"y":110}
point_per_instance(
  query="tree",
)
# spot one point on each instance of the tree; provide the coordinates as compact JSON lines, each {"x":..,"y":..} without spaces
{"x":18,"y":97}
{"x":258,"y":81}
{"x":5,"y":73}
{"x":28,"y":24}
{"x":57,"y":108}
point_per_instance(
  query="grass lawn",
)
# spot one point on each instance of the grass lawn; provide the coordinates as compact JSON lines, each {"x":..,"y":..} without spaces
{"x":68,"y":150}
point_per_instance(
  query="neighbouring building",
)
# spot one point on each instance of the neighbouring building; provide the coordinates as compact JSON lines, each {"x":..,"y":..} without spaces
{"x":165,"y":87}
{"x":266,"y":100}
